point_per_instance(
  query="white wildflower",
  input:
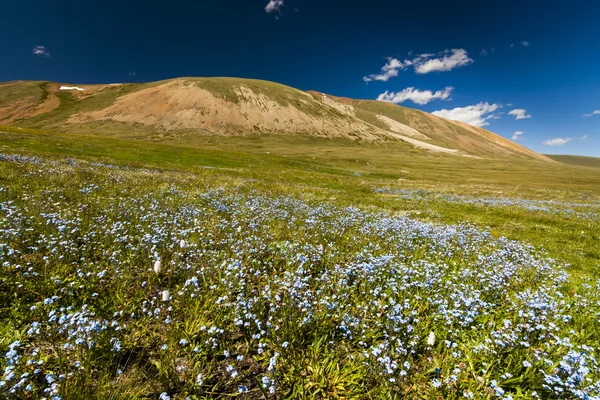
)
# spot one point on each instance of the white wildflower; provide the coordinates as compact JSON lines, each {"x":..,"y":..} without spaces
{"x":431,"y":339}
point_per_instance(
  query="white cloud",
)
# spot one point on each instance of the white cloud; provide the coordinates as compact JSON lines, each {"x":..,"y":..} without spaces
{"x":596,"y":112}
{"x":389,"y":70}
{"x":422,"y":64}
{"x":476,"y":115}
{"x":519,"y":113}
{"x":525,"y":43}
{"x":557,"y":141}
{"x":274,"y":6}
{"x":584,"y":137}
{"x":452,"y":59}
{"x":516,"y":135}
{"x":40,"y":51}
{"x":415,"y":95}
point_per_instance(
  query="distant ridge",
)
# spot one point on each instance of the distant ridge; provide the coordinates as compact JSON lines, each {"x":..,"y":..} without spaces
{"x":233,"y":106}
{"x":583,"y":161}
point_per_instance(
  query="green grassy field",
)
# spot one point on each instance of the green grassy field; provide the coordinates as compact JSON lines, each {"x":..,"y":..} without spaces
{"x":292,"y":267}
{"x":350,"y":172}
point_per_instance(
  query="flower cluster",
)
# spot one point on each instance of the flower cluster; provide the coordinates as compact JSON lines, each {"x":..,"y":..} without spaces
{"x":576,"y":210}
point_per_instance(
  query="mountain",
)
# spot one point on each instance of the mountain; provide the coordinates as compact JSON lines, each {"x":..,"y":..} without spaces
{"x":231,"y":106}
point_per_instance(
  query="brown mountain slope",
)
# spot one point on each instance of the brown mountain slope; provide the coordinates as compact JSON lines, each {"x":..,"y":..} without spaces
{"x":231,"y":106}
{"x":453,"y":134}
{"x":184,"y":104}
{"x":496,"y":139}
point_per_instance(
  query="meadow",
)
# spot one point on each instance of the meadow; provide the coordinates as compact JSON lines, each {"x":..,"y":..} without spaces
{"x":287,"y":267}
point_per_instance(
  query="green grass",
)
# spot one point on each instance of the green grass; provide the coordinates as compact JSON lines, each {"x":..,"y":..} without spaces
{"x":15,"y":91}
{"x":288,"y":231}
{"x":392,"y":111}
{"x":349,"y":172}
{"x":370,"y":118}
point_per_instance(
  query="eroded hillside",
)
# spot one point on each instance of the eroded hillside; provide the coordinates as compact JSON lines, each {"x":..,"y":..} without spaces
{"x":230,"y":106}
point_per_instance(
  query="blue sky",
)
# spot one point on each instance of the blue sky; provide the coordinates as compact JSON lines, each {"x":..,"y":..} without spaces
{"x":542,"y":57}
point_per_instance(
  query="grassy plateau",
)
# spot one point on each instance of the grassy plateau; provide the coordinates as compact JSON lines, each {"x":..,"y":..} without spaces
{"x":289,"y":267}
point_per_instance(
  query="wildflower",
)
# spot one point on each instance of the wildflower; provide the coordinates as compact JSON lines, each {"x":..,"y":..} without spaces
{"x":157,"y":267}
{"x":272,"y":362}
{"x":166,"y":296}
{"x":230,"y":368}
{"x":116,"y":346}
{"x":431,"y":339}
{"x":499,"y":391}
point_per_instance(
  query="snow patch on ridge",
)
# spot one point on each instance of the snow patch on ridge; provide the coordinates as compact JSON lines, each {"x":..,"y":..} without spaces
{"x":71,"y":88}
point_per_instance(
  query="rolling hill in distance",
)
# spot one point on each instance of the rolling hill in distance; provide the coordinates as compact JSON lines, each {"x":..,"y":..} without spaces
{"x":583,"y":161}
{"x":187,"y":107}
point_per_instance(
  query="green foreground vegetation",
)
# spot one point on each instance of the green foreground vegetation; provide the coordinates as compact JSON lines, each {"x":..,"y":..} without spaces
{"x":347,"y":173}
{"x":292,"y":267}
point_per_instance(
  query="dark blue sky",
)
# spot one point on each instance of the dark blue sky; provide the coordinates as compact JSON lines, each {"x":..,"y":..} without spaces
{"x":552,"y":69}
